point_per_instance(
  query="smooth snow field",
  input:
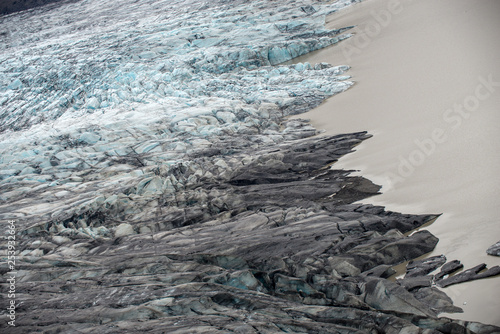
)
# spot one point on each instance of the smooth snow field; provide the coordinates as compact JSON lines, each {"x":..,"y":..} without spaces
{"x":428,"y":89}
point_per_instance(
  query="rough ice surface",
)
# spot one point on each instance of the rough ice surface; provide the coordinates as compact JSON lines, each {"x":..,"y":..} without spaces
{"x":102,"y":101}
{"x":90,"y":56}
{"x":156,"y":184}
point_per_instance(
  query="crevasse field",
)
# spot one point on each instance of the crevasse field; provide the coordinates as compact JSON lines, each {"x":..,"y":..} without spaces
{"x":88,"y":84}
{"x":150,"y":180}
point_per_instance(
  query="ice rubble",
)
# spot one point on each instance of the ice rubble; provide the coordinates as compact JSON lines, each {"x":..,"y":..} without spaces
{"x":98,"y":97}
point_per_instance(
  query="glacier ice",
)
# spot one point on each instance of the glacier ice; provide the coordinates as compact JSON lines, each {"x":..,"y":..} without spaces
{"x":101,"y":102}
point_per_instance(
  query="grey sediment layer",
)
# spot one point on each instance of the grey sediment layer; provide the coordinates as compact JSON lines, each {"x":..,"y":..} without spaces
{"x":280,"y":247}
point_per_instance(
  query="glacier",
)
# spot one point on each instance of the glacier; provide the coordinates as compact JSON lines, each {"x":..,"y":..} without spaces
{"x":85,"y":86}
{"x":157,"y":184}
